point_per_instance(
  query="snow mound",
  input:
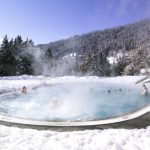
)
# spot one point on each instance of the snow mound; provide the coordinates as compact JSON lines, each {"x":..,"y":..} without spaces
{"x":12,"y":138}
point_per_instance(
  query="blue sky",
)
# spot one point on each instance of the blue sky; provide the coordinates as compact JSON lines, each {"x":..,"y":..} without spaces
{"x":50,"y":20}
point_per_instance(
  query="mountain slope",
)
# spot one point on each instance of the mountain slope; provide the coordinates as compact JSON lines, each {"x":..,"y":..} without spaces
{"x":124,"y":37}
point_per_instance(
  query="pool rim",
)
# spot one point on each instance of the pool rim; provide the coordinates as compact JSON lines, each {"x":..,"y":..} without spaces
{"x":122,"y":118}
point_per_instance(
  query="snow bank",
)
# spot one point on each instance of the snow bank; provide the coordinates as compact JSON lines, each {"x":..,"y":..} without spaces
{"x":12,"y":138}
{"x":18,"y":81}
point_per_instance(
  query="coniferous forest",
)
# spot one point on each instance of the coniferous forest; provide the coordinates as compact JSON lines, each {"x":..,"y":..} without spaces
{"x":86,"y":54}
{"x":14,"y":60}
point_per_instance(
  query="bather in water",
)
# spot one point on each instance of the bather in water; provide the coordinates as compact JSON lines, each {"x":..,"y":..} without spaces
{"x":54,"y":104}
{"x":145,"y":90}
{"x":23,"y":90}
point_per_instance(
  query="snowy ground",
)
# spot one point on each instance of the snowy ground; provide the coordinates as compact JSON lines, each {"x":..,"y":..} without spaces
{"x":12,"y":138}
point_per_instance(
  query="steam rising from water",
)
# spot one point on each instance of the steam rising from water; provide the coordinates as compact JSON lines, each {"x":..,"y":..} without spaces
{"x":38,"y":64}
{"x":45,"y":67}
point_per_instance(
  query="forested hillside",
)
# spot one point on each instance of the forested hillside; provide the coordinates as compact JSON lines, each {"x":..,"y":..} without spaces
{"x":123,"y":37}
{"x":95,"y":47}
{"x":85,"y":54}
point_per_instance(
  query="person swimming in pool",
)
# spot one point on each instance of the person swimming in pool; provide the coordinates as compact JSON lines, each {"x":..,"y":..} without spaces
{"x":24,"y":89}
{"x":109,"y":91}
{"x":145,"y":90}
{"x":54,"y":103}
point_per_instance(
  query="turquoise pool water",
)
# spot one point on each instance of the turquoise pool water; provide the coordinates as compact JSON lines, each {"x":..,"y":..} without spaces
{"x":74,"y":102}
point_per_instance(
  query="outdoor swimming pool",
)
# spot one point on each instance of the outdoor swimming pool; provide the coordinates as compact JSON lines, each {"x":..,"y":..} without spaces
{"x":73,"y":102}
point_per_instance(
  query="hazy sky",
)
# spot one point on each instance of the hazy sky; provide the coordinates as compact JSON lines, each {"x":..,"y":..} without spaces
{"x":50,"y":20}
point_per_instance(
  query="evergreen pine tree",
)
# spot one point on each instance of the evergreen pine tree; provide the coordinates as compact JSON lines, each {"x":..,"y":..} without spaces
{"x":7,"y":59}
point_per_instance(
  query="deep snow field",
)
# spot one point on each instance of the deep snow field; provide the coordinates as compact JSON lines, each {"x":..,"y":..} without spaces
{"x":14,"y":138}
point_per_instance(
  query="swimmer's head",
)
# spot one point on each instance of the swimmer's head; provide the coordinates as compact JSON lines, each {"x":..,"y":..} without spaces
{"x":144,"y":85}
{"x":24,"y":87}
{"x":108,"y":91}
